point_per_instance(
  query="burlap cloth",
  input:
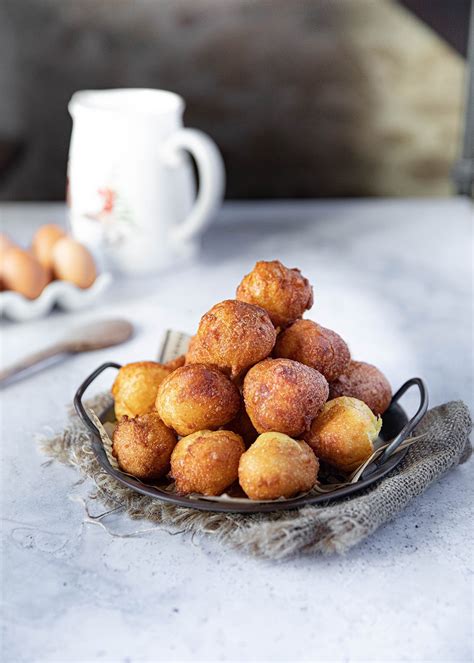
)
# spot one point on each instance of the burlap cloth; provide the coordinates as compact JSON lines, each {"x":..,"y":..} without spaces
{"x":331,"y":527}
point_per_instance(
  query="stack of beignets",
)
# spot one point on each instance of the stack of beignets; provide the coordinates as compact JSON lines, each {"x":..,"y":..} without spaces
{"x":250,"y":398}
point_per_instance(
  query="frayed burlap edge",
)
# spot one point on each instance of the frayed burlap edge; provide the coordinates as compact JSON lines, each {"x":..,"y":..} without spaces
{"x":326,"y":528}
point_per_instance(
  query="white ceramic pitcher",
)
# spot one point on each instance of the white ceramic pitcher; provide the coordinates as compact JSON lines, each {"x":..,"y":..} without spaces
{"x":131,"y":186}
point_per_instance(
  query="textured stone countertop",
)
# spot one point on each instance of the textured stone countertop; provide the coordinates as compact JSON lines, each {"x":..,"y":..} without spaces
{"x":395,"y":279}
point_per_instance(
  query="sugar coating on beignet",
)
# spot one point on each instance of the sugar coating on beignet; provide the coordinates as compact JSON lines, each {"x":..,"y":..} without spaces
{"x":314,"y":345}
{"x":206,"y":462}
{"x":281,"y":291}
{"x":277,"y":466}
{"x":136,"y":386}
{"x":196,"y":354}
{"x":196,"y":397}
{"x":365,"y":382}
{"x":342,"y":435}
{"x":233,"y":336}
{"x":283,"y":395}
{"x":143,"y":446}
{"x":175,"y":363}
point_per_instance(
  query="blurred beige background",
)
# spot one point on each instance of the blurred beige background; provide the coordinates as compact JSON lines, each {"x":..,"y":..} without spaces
{"x":306,"y":98}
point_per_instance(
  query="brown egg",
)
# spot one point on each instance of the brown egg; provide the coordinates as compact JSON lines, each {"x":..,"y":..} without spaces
{"x":143,"y":446}
{"x":197,"y":397}
{"x":136,"y":386}
{"x":315,"y":346}
{"x":22,"y":272}
{"x":277,"y":466}
{"x":284,"y":395}
{"x":342,"y":435}
{"x":73,"y":262}
{"x":43,"y":243}
{"x":5,"y":243}
{"x":206,"y":462}
{"x":284,"y":293}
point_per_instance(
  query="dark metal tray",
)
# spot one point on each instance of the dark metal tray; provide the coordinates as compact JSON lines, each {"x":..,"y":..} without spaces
{"x":396,"y":428}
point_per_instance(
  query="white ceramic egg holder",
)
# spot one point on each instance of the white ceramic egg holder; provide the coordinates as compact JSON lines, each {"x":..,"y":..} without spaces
{"x":63,"y":294}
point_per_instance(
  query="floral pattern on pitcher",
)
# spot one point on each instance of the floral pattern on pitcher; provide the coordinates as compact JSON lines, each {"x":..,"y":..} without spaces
{"x":114,"y":216}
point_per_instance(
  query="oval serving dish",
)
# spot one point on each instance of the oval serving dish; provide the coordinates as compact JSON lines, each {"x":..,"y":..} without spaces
{"x":396,"y":429}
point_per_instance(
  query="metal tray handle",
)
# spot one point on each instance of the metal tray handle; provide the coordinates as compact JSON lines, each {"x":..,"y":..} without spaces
{"x":78,"y":404}
{"x":414,"y":421}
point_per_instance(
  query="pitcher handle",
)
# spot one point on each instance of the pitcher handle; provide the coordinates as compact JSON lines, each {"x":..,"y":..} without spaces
{"x":211,"y":172}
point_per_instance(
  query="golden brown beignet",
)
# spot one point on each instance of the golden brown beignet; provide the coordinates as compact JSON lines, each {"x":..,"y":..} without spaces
{"x":233,"y":336}
{"x":283,"y":395}
{"x":342,"y":435}
{"x":242,"y":425}
{"x":314,"y":345}
{"x":277,"y":466}
{"x":173,"y":364}
{"x":136,"y":386}
{"x":206,"y":462}
{"x":197,"y":397}
{"x":195,"y":353}
{"x":365,"y":382}
{"x":143,"y":446}
{"x":283,"y":292}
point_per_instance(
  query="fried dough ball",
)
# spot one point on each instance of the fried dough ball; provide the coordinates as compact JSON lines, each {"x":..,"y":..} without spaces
{"x":195,"y":353}
{"x":190,"y":343}
{"x":233,"y":336}
{"x":242,"y":425}
{"x":343,"y":433}
{"x":143,"y":446}
{"x":314,"y":345}
{"x":173,"y":364}
{"x":277,"y":466}
{"x":136,"y":386}
{"x":283,"y":292}
{"x":197,"y":397}
{"x":365,"y":382}
{"x":206,"y":462}
{"x":284,"y":395}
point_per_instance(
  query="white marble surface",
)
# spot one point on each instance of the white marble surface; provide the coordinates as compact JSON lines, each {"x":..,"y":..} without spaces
{"x":394,"y":278}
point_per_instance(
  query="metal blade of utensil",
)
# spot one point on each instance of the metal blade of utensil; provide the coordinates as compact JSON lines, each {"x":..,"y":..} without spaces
{"x":94,"y":336}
